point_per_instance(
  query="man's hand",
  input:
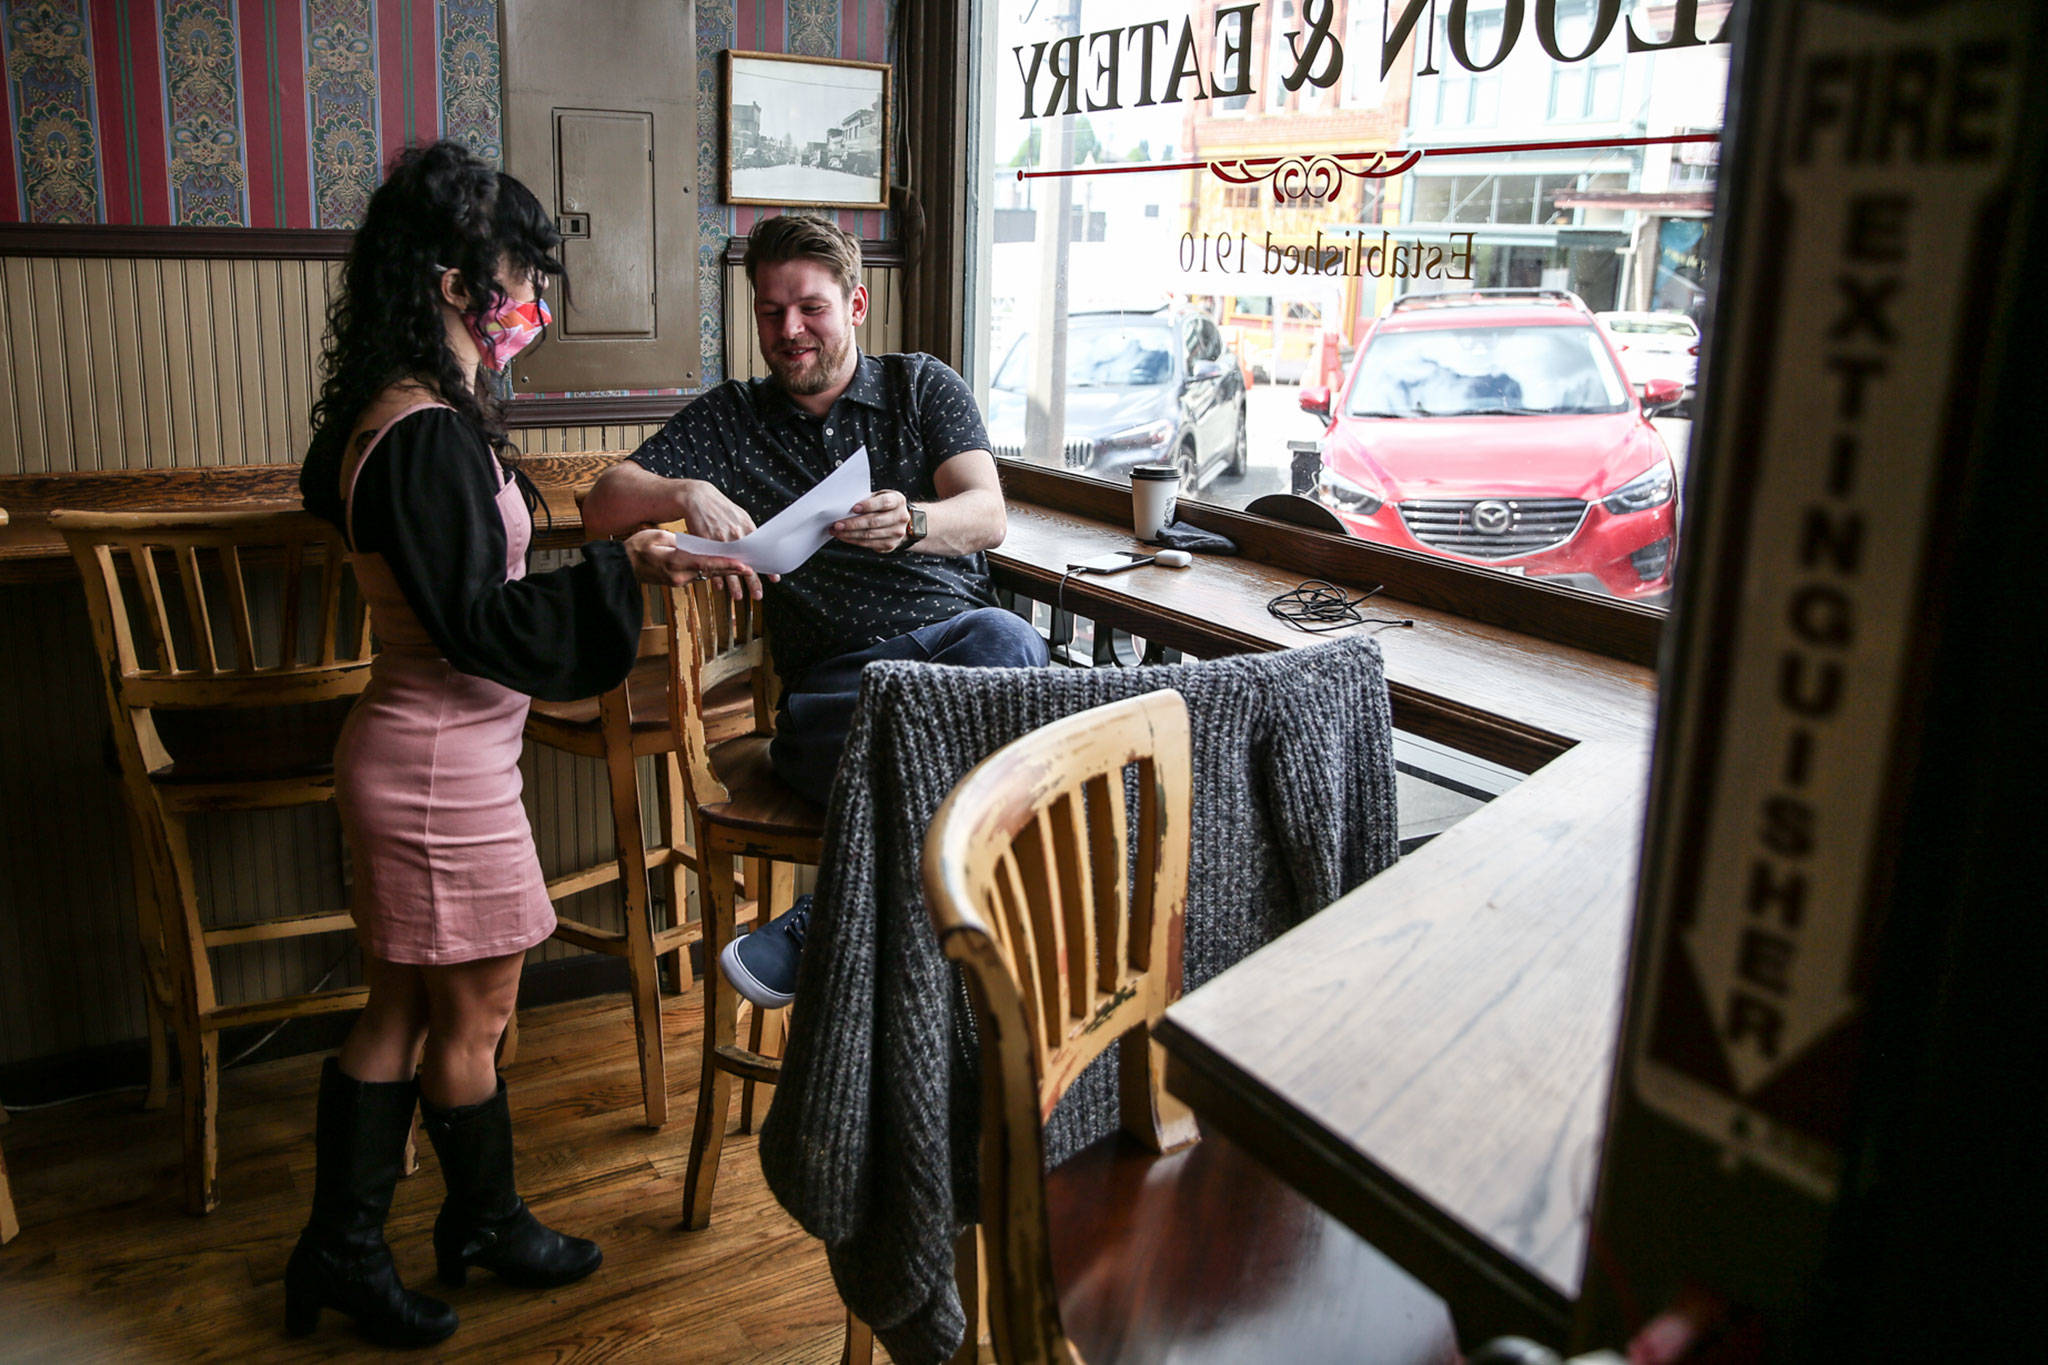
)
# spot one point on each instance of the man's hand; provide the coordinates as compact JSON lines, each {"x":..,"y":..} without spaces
{"x":877,"y":522}
{"x":627,"y":498}
{"x":656,"y":560}
{"x":710,"y":513}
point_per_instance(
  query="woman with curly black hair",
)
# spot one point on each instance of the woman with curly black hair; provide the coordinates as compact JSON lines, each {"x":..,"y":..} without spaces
{"x":409,"y":458}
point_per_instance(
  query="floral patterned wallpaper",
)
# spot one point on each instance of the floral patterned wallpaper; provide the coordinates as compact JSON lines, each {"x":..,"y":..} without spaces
{"x":281,"y":113}
{"x":232,"y":113}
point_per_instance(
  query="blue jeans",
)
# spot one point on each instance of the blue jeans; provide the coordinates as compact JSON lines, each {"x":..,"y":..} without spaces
{"x":810,"y":729}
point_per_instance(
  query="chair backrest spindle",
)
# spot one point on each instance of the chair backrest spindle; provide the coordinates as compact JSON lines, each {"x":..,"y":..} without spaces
{"x":653,"y":644}
{"x":293,"y":585}
{"x":158,"y":616}
{"x":331,"y":567}
{"x":197,"y":618}
{"x":1109,"y":837}
{"x":712,"y":640}
{"x":238,"y":609}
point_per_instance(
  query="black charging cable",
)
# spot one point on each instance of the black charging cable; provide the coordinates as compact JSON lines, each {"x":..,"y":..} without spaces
{"x":1059,"y":597}
{"x":1319,"y":607}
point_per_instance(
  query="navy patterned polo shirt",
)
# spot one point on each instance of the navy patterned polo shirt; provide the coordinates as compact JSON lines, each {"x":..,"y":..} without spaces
{"x":749,"y":441}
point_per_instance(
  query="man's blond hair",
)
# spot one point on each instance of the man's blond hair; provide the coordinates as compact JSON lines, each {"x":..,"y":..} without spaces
{"x":802,"y":237}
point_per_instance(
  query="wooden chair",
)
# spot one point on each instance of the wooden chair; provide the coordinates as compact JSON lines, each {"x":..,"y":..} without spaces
{"x":217,"y":705}
{"x":742,"y":811}
{"x":628,"y":723}
{"x":1068,"y":944}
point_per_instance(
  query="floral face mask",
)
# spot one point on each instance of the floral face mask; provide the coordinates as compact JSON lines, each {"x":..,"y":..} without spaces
{"x":506,"y":330}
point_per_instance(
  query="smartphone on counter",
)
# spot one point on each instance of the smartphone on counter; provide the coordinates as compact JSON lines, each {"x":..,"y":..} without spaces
{"x":1115,"y":562}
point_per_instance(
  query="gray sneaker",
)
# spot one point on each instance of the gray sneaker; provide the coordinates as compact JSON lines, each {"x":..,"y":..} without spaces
{"x":762,"y":965}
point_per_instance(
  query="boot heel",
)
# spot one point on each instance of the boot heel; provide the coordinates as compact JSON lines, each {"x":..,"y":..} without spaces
{"x":484,"y":1221}
{"x":453,"y":1270}
{"x":341,"y":1260}
{"x":301,"y":1314}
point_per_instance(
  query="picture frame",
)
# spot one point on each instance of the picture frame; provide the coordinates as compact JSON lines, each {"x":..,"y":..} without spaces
{"x":805,"y":131}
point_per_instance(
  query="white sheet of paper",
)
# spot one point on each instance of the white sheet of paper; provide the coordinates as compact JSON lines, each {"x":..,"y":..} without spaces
{"x":794,"y":534}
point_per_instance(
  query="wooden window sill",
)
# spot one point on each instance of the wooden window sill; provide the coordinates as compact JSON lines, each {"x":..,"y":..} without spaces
{"x":1498,"y":693}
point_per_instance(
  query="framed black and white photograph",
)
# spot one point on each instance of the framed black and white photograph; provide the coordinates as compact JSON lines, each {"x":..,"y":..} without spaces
{"x":806,"y":131}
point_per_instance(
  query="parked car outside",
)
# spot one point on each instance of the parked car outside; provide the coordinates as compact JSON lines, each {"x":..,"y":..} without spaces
{"x":1497,"y":428}
{"x":1156,"y":387}
{"x":1277,"y":334}
{"x":1657,"y":346}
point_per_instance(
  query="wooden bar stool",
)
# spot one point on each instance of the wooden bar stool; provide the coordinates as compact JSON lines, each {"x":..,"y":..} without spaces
{"x":742,"y":811}
{"x":226,"y":686}
{"x":1163,"y":1250}
{"x":626,"y":724}
{"x":629,"y":723}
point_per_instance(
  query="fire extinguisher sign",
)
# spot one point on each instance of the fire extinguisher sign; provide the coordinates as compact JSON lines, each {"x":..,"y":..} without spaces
{"x":1892,"y":146}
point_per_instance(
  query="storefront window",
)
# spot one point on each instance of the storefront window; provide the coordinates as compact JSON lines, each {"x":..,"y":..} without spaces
{"x":1346,"y":188}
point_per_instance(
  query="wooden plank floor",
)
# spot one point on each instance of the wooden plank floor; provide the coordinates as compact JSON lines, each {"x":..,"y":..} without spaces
{"x":107,"y":1267}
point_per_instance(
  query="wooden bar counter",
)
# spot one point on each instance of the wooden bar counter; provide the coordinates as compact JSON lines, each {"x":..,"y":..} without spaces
{"x":31,"y":552}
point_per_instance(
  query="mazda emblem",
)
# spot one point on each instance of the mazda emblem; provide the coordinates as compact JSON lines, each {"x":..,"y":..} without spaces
{"x":1492,"y":518}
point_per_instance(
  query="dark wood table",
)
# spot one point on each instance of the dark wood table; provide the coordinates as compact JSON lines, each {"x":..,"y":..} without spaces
{"x":1429,"y":1057}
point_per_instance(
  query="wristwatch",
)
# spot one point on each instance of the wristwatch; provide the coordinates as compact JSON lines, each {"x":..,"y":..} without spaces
{"x":916,"y":527}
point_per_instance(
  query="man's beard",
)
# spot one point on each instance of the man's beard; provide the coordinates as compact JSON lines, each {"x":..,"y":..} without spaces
{"x":811,"y":376}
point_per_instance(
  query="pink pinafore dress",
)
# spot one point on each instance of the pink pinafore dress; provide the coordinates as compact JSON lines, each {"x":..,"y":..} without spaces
{"x":427,"y":779}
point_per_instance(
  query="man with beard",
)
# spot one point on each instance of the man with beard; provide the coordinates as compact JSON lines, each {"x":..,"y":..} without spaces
{"x":903,"y":577}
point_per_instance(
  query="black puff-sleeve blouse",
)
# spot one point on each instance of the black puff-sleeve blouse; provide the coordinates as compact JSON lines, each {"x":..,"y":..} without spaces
{"x":426,"y":500}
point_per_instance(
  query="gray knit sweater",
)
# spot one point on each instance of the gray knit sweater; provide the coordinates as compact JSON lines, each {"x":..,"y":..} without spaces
{"x":871,"y":1141}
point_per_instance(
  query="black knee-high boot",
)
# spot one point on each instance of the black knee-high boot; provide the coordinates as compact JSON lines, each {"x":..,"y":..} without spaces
{"x":341,"y":1261}
{"x":484,"y":1221}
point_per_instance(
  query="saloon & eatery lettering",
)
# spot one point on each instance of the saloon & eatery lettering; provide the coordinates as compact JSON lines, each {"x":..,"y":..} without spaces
{"x":1146,"y":64}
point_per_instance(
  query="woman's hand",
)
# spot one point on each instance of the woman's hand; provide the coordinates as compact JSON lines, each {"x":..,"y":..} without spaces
{"x":655,"y":559}
{"x":709,"y":513}
{"x":877,"y":522}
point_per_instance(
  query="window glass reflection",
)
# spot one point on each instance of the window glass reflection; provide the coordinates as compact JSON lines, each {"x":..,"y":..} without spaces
{"x":1199,"y":260}
{"x":1487,"y":371}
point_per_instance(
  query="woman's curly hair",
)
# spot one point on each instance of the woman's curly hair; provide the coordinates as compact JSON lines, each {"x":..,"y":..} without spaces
{"x":440,"y":208}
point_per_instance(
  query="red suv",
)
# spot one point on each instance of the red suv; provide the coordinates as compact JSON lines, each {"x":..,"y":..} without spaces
{"x":1498,"y":427}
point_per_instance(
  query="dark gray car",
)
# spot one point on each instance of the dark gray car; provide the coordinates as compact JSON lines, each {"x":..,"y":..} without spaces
{"x":1142,"y":388}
